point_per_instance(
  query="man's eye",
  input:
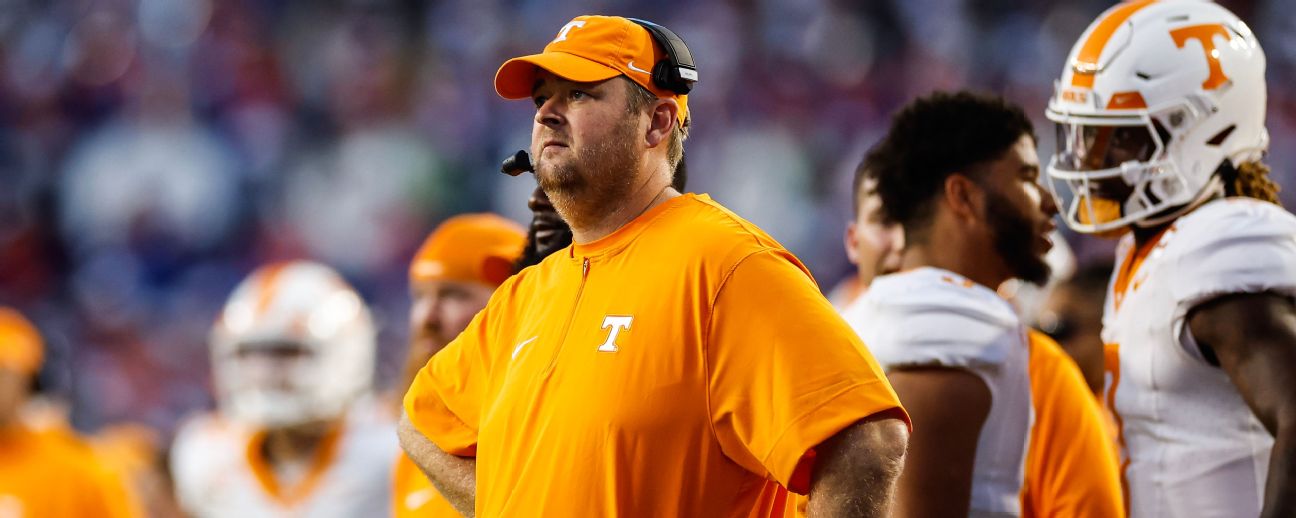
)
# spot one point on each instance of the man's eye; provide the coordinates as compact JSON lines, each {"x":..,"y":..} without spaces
{"x":539,"y":101}
{"x":577,"y":94}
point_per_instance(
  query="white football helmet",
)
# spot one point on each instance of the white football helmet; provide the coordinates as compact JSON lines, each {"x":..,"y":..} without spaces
{"x":1155,"y":96}
{"x":294,"y":344}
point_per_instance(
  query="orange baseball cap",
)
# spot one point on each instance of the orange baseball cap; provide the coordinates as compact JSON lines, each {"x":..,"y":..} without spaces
{"x":21,"y":348}
{"x":472,"y":247}
{"x":590,"y":49}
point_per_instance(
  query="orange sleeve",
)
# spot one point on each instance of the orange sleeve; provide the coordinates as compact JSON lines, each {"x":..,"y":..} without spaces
{"x":118,"y":498}
{"x":785,"y":372}
{"x":1071,"y":465}
{"x":97,"y":489}
{"x":444,"y":401}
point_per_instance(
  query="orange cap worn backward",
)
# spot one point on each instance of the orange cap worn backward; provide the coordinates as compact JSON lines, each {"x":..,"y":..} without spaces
{"x":590,"y":49}
{"x":20,"y":343}
{"x":472,"y":247}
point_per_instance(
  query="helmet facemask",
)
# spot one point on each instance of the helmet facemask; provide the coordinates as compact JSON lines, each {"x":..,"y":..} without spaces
{"x":1116,"y":171}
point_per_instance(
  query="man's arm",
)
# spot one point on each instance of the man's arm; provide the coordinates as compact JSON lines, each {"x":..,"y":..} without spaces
{"x":947,"y":408}
{"x":856,"y":469}
{"x":454,"y":477}
{"x":1254,"y":338}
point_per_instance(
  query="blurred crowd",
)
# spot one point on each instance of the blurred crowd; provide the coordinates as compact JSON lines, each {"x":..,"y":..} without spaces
{"x":153,"y":152}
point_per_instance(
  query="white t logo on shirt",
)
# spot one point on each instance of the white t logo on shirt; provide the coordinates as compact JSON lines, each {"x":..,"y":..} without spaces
{"x":616,"y":324}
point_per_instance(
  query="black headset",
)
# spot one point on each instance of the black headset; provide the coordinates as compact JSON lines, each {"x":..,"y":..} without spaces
{"x":676,"y":73}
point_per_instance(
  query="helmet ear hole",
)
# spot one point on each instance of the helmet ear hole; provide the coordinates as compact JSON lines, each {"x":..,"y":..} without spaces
{"x":1219,"y":138}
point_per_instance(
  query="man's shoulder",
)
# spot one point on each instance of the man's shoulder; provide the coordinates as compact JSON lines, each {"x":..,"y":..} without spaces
{"x":703,"y":224}
{"x":932,"y":316}
{"x":936,"y":291}
{"x":1226,"y":220}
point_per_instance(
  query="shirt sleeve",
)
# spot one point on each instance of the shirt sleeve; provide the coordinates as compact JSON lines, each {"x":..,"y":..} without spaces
{"x":785,"y":372}
{"x":444,"y":402}
{"x":1071,"y":464}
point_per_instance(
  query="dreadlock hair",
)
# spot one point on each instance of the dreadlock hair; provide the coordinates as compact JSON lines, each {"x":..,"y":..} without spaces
{"x":1249,"y":179}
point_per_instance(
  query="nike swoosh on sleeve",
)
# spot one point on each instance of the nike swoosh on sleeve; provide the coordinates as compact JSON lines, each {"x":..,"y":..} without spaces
{"x":519,"y":347}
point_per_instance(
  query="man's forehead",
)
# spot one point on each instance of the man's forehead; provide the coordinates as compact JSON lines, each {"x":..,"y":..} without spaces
{"x":545,"y":78}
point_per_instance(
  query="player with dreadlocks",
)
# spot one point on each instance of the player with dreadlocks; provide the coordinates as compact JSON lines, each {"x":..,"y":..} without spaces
{"x":1160,"y":114}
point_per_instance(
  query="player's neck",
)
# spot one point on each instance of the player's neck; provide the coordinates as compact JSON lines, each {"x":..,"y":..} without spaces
{"x":1142,"y":235}
{"x":294,"y":444}
{"x":640,"y":200}
{"x":953,"y":257}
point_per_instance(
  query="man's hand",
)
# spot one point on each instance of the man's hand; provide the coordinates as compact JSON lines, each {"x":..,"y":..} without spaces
{"x":454,"y":477}
{"x":856,"y":469}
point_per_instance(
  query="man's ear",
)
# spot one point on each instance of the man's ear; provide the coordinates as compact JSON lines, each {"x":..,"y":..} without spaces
{"x":661,"y":122}
{"x":965,"y":199}
{"x":852,"y":244}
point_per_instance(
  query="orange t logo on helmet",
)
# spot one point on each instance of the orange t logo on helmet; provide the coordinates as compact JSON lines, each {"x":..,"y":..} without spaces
{"x":1206,"y":35}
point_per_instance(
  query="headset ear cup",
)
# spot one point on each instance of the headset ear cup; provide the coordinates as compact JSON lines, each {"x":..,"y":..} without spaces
{"x":661,"y":75}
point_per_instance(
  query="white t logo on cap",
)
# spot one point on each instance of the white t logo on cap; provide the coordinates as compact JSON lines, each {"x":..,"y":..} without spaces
{"x":562,"y":35}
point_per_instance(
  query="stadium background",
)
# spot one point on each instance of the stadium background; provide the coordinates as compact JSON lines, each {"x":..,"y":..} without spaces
{"x":153,"y":152}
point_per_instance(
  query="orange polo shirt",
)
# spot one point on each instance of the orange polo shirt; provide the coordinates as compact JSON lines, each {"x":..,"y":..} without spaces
{"x":680,"y":366}
{"x":1071,"y":461}
{"x":51,"y":474}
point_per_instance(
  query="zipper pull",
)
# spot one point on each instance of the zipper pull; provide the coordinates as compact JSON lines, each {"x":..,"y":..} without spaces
{"x":585,"y":267}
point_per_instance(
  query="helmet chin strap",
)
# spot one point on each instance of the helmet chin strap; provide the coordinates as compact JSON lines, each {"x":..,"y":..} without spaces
{"x":1214,"y":188}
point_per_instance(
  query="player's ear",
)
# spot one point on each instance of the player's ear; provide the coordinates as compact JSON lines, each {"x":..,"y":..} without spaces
{"x":661,"y":121}
{"x":964,"y":197}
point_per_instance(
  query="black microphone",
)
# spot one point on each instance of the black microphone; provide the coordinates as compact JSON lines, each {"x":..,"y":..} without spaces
{"x":517,"y":164}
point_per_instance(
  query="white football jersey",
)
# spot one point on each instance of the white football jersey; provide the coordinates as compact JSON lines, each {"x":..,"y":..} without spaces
{"x":1189,"y":444}
{"x":933,"y":317}
{"x":218,"y":474}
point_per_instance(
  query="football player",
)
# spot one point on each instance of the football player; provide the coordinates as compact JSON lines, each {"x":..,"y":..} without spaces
{"x":1003,"y":422}
{"x":1160,"y":121}
{"x":296,"y":432}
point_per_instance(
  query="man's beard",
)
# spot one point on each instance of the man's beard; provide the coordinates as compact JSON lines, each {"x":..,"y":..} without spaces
{"x":1014,"y":240}
{"x":598,"y":178}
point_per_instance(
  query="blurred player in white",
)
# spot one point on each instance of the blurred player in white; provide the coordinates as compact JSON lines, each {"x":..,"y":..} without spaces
{"x":297,"y":432}
{"x":1160,"y":112}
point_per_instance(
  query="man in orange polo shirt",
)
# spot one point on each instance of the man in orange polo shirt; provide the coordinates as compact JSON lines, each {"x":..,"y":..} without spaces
{"x":675,"y":360}
{"x":46,"y":473}
{"x":451,"y":278}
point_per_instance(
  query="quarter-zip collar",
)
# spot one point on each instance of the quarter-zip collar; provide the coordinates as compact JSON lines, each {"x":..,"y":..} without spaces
{"x":623,"y":236}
